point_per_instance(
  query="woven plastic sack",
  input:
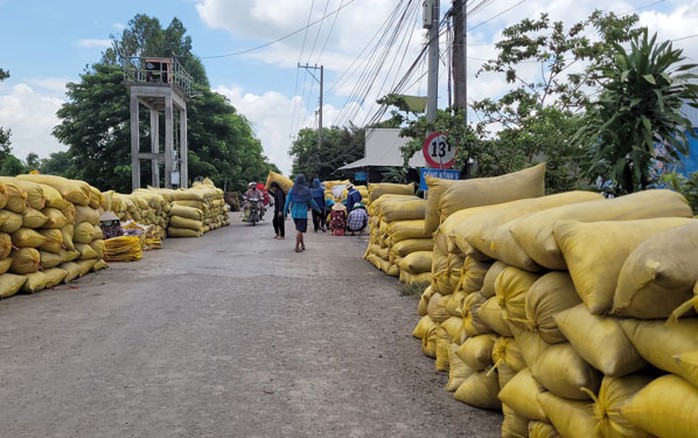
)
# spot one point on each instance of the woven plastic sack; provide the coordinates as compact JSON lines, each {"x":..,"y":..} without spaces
{"x":407,"y":278}
{"x":86,"y":265}
{"x":490,"y":278}
{"x":493,"y":316}
{"x":458,"y":371}
{"x":86,"y":214}
{"x":36,"y":282}
{"x":16,"y":197}
{"x":424,"y":326}
{"x":33,"y":218}
{"x":407,"y":229}
{"x":10,"y":284}
{"x":377,"y":190}
{"x":182,"y":222}
{"x":432,"y":214}
{"x":52,"y":260}
{"x":83,"y":233}
{"x":600,"y":341}
{"x":666,"y":407}
{"x":688,"y":362}
{"x":614,"y":393}
{"x":35,"y":193}
{"x":73,"y":270}
{"x":595,"y":253}
{"x":285,"y":182}
{"x":541,"y":429}
{"x":454,"y":327}
{"x":55,"y":218}
{"x":77,"y":192}
{"x":564,"y":372}
{"x":5,"y":264}
{"x":400,"y":211}
{"x":473,"y":324}
{"x":3,"y":196}
{"x":506,"y":351}
{"x":436,"y":309}
{"x":659,"y":274}
{"x":549,"y":295}
{"x":25,"y":261}
{"x":86,"y":251}
{"x":416,"y":262}
{"x":474,"y":272}
{"x":9,"y":221}
{"x":53,"y":197}
{"x":571,"y":418}
{"x":99,"y":265}
{"x":424,"y":300}
{"x":454,"y":303}
{"x":443,"y":341}
{"x":660,"y":343}
{"x":531,"y":345}
{"x":186,"y":212}
{"x":513,"y":424}
{"x":521,"y":393}
{"x":490,"y":232}
{"x":476,"y":352}
{"x":534,"y":232}
{"x":480,"y":389}
{"x":27,"y":238}
{"x":511,"y":289}
{"x":99,"y":247}
{"x":409,"y":246}
{"x":5,"y":245}
{"x":68,"y":232}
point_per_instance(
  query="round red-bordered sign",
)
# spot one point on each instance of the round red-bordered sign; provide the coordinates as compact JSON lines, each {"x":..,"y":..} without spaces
{"x":438,"y":152}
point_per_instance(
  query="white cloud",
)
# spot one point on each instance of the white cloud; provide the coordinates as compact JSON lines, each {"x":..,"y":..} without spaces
{"x":94,"y":43}
{"x":31,"y":116}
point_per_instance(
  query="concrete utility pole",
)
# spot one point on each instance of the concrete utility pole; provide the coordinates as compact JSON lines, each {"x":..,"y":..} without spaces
{"x":460,"y":63}
{"x":321,"y":82}
{"x":431,"y":22}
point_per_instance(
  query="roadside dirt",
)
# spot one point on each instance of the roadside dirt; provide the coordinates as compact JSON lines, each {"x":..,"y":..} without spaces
{"x":231,"y":334}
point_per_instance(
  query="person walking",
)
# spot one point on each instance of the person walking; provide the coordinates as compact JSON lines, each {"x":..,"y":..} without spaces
{"x":299,"y":200}
{"x":318,"y":192}
{"x":279,"y":203}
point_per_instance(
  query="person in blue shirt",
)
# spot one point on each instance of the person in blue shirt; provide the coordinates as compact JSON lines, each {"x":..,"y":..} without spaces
{"x":318,"y":192}
{"x":353,"y":196}
{"x":299,"y":200}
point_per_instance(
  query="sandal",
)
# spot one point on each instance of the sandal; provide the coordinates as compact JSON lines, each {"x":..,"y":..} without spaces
{"x":299,"y":250}
{"x":302,"y":246}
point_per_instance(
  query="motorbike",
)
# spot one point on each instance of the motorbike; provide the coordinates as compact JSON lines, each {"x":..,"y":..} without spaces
{"x":255,"y":213}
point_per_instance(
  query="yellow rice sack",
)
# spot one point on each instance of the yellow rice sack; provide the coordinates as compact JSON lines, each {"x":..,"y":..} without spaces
{"x":10,"y":284}
{"x":36,"y":282}
{"x":83,"y":232}
{"x":376,"y":190}
{"x":454,"y":328}
{"x":33,"y":218}
{"x":68,"y":232}
{"x":614,"y":394}
{"x":9,"y":221}
{"x":506,"y":351}
{"x":600,"y":341}
{"x":531,"y":345}
{"x":35,"y":194}
{"x":480,"y":389}
{"x":493,"y":316}
{"x":474,"y":272}
{"x":55,"y":218}
{"x":442,"y":342}
{"x":424,"y":326}
{"x":86,"y":251}
{"x":416,"y":262}
{"x":54,"y":276}
{"x":595,"y":253}
{"x":688,"y":363}
{"x":186,"y":212}
{"x":77,"y":192}
{"x":521,"y":393}
{"x":183,"y":222}
{"x":409,"y":246}
{"x":27,"y":238}
{"x":471,"y":320}
{"x":25,"y":261}
{"x":403,"y":210}
{"x":511,"y":289}
{"x":407,"y":229}
{"x":666,"y":407}
{"x":564,"y":372}
{"x":87,"y":214}
{"x":3,"y":196}
{"x":16,"y":197}
{"x":541,"y":429}
{"x":659,"y":274}
{"x":51,"y":260}
{"x":285,"y":182}
{"x":571,"y":418}
{"x":513,"y":424}
{"x":5,"y":245}
{"x":458,"y":371}
{"x":476,"y":351}
{"x":73,"y":271}
{"x":407,"y":278}
{"x":526,"y":183}
{"x":183,"y":232}
{"x":548,"y":296}
{"x":534,"y":232}
{"x":659,"y":343}
{"x":5,"y":264}
{"x":491,"y":277}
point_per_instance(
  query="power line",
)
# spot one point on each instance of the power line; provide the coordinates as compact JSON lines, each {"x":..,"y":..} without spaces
{"x":285,"y":37}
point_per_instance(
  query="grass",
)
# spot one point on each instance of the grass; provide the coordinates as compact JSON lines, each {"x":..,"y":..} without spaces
{"x":413,"y":289}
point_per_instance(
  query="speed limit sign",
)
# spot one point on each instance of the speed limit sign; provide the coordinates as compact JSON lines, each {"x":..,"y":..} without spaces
{"x":438,"y":152}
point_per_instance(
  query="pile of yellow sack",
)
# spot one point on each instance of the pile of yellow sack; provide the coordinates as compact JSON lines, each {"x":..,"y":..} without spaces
{"x":124,"y":248}
{"x":197,"y":210}
{"x":49,"y":232}
{"x":554,"y":309}
{"x":398,"y":244}
{"x":144,"y":206}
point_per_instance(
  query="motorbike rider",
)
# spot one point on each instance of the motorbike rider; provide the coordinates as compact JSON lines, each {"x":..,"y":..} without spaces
{"x":252,"y":193}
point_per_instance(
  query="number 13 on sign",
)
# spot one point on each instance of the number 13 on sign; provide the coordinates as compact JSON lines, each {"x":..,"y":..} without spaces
{"x":438,"y":152}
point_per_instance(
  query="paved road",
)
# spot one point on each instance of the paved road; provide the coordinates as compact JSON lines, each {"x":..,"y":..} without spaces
{"x":229,"y":335}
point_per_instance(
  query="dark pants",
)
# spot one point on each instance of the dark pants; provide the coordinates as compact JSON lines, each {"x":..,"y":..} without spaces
{"x":279,"y":226}
{"x":318,"y":220}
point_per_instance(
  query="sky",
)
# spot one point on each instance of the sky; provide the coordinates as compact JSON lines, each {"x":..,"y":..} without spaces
{"x":252,"y":49}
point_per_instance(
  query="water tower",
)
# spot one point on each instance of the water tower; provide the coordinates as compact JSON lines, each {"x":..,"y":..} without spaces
{"x":162,"y":86}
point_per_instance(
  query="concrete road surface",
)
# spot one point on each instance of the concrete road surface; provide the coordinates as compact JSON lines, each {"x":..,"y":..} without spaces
{"x":229,"y":335}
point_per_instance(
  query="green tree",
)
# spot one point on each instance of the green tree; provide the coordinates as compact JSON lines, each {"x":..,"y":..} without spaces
{"x":95,"y":122}
{"x":58,"y":163}
{"x":11,"y":166}
{"x":340,"y":146}
{"x":639,"y":108}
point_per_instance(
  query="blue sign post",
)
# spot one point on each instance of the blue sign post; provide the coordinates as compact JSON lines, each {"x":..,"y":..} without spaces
{"x":436,"y":173}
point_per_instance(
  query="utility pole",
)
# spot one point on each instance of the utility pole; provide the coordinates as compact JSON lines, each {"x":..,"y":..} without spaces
{"x":460,"y":63}
{"x":321,"y":82}
{"x":431,"y":22}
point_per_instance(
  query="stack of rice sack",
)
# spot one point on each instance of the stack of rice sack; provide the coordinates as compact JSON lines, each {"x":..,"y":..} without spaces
{"x":571,"y":316}
{"x":398,"y":244}
{"x":47,"y":232}
{"x":144,"y":206}
{"x":196,"y":211}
